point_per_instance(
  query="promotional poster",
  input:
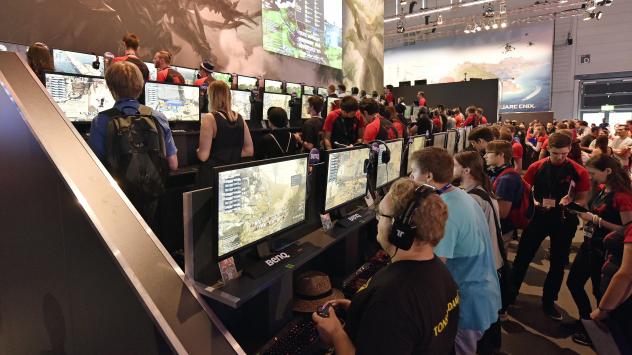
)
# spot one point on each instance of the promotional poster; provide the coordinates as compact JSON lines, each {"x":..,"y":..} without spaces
{"x":520,"y":57}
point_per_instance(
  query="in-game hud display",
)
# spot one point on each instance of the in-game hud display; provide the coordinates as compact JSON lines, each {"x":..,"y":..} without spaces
{"x":305,"y":107}
{"x":438,"y":140}
{"x":346,"y":179}
{"x":77,"y":63}
{"x":246,"y":83}
{"x":390,"y":171}
{"x":292,"y":88}
{"x":258,"y":201}
{"x":79,"y":97}
{"x":275,"y":100}
{"x":418,"y":143}
{"x":176,"y":102}
{"x":273,"y":86}
{"x":223,"y":77}
{"x":451,"y":142}
{"x":241,"y":103}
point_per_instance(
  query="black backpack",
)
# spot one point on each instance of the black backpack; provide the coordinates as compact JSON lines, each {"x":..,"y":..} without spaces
{"x":136,"y":155}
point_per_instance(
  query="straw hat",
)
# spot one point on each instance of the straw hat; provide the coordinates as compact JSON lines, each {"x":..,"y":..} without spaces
{"x":313,"y":289}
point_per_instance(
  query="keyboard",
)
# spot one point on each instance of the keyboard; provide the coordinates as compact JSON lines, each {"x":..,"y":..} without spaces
{"x":362,"y":275}
{"x":298,"y":337}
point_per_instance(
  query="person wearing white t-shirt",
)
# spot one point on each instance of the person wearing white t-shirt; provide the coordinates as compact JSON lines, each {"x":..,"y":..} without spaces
{"x":622,"y":145}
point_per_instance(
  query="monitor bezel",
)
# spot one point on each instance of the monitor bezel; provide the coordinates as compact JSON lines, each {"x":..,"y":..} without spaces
{"x":411,"y":139}
{"x":377,"y":166}
{"x":215,"y":202}
{"x":249,"y":77}
{"x":366,"y":176}
{"x":46,"y":73}
{"x":461,"y":140}
{"x":101,"y":57}
{"x":193,"y":86}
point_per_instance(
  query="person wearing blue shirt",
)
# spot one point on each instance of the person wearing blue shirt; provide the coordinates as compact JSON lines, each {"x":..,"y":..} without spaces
{"x":465,"y":248}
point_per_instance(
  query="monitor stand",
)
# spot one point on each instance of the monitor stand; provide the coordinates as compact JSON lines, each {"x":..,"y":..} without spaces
{"x":268,"y":261}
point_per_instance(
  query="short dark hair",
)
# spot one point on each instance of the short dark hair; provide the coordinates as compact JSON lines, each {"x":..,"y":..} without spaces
{"x":277,"y":116}
{"x":354,"y":90}
{"x":484,"y":133}
{"x":389,"y":86}
{"x":316,"y":102}
{"x":559,"y":140}
{"x":435,"y":160}
{"x":370,"y":106}
{"x":131,"y":41}
{"x":595,"y":129}
{"x":501,"y":146}
{"x":470,"y":109}
{"x":348,"y":104}
{"x":342,"y":87}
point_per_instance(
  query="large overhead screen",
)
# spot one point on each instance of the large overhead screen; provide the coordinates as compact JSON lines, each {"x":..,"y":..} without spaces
{"x":308,"y":29}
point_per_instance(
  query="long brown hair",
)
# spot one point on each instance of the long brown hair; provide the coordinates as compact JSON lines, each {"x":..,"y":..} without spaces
{"x":474,"y":162}
{"x":619,"y":179}
{"x":220,"y":99}
{"x":40,"y":59}
{"x":601,"y":142}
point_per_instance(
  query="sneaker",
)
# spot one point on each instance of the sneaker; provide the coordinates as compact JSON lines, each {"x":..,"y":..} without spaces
{"x":552,"y":312}
{"x":581,"y":337}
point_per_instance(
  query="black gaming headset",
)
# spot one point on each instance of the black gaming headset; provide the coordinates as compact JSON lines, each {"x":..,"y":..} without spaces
{"x":403,"y":230}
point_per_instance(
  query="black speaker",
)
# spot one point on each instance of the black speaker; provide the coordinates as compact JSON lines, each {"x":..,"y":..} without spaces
{"x":404,"y":84}
{"x":421,"y":82}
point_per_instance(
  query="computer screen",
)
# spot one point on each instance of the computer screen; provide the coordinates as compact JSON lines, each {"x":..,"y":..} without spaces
{"x":14,"y":47}
{"x":223,"y":77}
{"x":438,"y":140}
{"x":292,"y":88}
{"x":273,"y":86}
{"x":391,"y":170}
{"x":176,"y":102}
{"x":257,"y":201}
{"x":241,"y":103}
{"x":330,"y":103}
{"x":451,"y":145}
{"x":346,"y":178}
{"x":246,"y":82}
{"x":275,"y":100}
{"x":153,"y":72}
{"x":305,"y":110}
{"x":80,"y":97}
{"x":308,"y":90}
{"x":460,"y":145}
{"x":415,"y":113}
{"x":77,"y":63}
{"x":416,"y":143}
{"x":190,"y":75}
{"x":322,"y":92}
{"x":408,"y":112}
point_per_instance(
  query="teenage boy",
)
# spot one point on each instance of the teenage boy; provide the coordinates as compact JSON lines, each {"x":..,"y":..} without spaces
{"x":344,"y":126}
{"x":377,"y":127}
{"x":556,"y":181}
{"x":466,"y":248}
{"x":479,"y":138}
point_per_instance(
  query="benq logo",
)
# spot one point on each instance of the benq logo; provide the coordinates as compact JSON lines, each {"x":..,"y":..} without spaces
{"x":276,"y":259}
{"x":354,"y":217}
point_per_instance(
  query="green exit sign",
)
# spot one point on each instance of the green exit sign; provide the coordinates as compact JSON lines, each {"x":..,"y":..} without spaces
{"x":607,"y":108}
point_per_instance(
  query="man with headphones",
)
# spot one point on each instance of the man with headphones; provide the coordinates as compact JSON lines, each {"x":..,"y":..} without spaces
{"x":412,"y":305}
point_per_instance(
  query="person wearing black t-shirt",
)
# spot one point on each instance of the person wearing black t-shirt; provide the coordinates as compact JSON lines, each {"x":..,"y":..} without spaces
{"x":313,"y":127}
{"x":280,"y":141}
{"x":412,"y":305}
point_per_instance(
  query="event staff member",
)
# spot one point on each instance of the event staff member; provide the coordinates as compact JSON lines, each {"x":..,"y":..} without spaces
{"x":421,"y":99}
{"x":40,"y":60}
{"x":552,"y":179}
{"x":466,"y":248}
{"x":458,"y":117}
{"x":472,"y":119}
{"x":610,"y":209}
{"x":166,"y":74}
{"x":344,"y":126}
{"x":206,"y":78}
{"x":224,"y":136}
{"x":280,"y":141}
{"x":479,"y":114}
{"x":132,"y":43}
{"x":412,"y":305}
{"x":313,"y":127}
{"x":377,"y":126}
{"x":423,"y":125}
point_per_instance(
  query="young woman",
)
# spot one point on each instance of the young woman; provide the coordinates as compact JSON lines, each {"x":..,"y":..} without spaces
{"x":224,"y":136}
{"x":610,"y":209}
{"x":280,"y":141}
{"x":40,"y":60}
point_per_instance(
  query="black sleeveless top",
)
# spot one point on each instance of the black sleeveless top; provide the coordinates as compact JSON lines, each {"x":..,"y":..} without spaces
{"x":226,"y":147}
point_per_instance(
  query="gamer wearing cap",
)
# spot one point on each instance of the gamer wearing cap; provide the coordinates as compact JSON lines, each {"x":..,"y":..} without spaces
{"x":412,"y":305}
{"x":204,"y":74}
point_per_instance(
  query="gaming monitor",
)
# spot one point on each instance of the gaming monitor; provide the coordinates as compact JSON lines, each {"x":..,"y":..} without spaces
{"x":246,"y":82}
{"x":273,"y":86}
{"x":257,"y":200}
{"x":176,"y":102}
{"x":190,"y":75}
{"x":346,"y":178}
{"x":451,"y":142}
{"x":292,"y":88}
{"x":14,"y":47}
{"x":227,"y":78}
{"x":408,"y":112}
{"x":416,"y":143}
{"x":241,"y":103}
{"x":275,"y":100}
{"x":153,"y":72}
{"x":391,"y":170}
{"x":438,"y":140}
{"x":305,"y":107}
{"x":322,"y":92}
{"x":330,"y":103}
{"x":80,"y":97}
{"x":77,"y":63}
{"x":308,"y":90}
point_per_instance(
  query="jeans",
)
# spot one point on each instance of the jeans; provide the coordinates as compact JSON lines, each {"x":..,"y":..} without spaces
{"x":561,"y":230}
{"x":587,"y":265}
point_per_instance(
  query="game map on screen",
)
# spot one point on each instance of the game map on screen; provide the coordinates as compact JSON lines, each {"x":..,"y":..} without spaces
{"x":390,"y":171}
{"x":81,"y":98}
{"x":176,"y":102}
{"x":256,"y":202}
{"x":346,"y":179}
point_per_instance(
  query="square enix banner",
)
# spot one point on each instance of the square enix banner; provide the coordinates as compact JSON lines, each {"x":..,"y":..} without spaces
{"x":520,"y":57}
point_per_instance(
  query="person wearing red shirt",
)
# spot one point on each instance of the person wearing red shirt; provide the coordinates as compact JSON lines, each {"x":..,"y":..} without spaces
{"x":472,"y":119}
{"x":507,"y":134}
{"x":132,"y":43}
{"x":390,"y":98}
{"x":166,"y":74}
{"x":344,"y":126}
{"x":458,"y":117}
{"x":479,"y":115}
{"x":557,"y":181}
{"x":377,"y":126}
{"x":421,"y":99}
{"x":436,"y":121}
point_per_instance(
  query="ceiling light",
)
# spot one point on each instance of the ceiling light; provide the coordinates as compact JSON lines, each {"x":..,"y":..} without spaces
{"x":478,"y":28}
{"x":467,"y":30}
{"x":503,"y":24}
{"x":487,"y":27}
{"x":440,"y":20}
{"x":495,"y":25}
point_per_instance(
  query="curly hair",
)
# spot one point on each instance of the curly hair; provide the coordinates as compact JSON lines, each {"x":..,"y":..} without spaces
{"x":431,"y":215}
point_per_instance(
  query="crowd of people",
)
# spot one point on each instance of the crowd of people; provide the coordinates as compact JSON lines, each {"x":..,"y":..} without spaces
{"x":450,"y":282}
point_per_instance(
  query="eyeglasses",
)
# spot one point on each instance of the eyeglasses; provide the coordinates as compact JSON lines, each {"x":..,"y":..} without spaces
{"x":379,"y":215}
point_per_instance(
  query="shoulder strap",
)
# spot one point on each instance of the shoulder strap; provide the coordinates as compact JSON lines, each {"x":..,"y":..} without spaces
{"x":113,"y":113}
{"x":499,"y":234}
{"x":277,"y":142}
